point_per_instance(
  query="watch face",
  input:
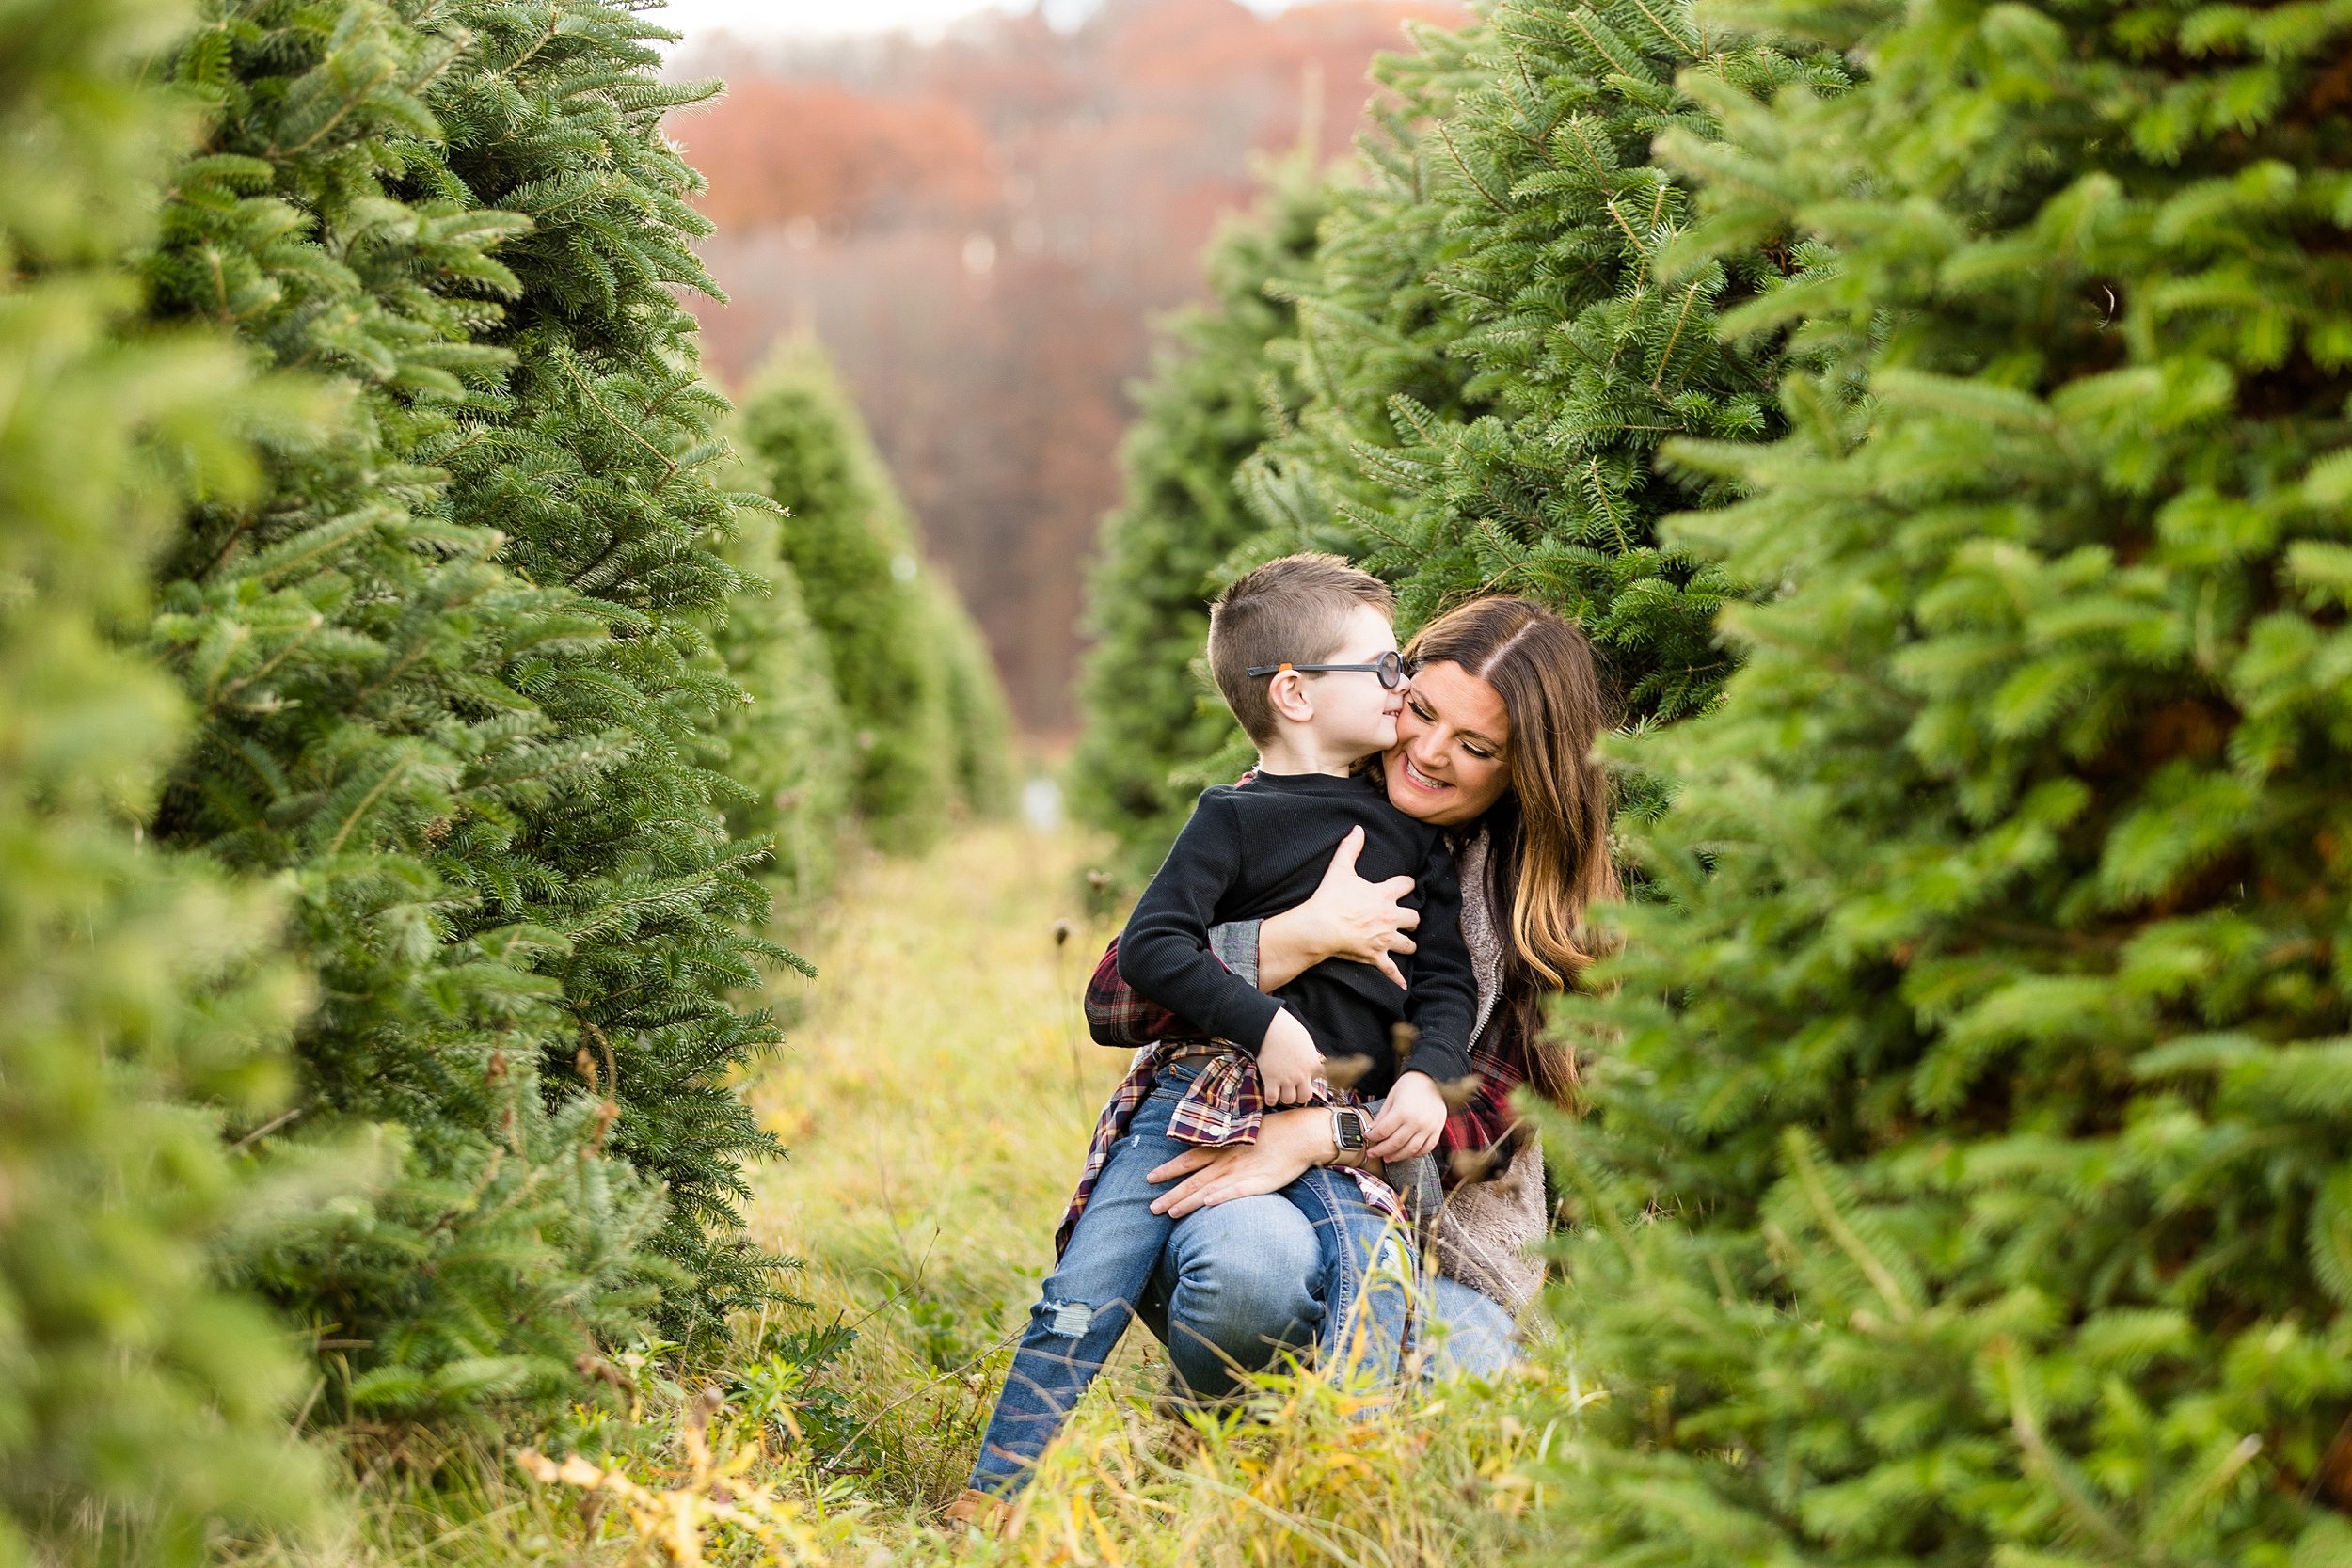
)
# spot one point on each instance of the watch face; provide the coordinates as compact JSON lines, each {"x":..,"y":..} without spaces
{"x":1351,"y":1129}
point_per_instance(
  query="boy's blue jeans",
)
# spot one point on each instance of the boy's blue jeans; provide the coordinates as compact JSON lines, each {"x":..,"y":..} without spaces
{"x":1105,"y":1272}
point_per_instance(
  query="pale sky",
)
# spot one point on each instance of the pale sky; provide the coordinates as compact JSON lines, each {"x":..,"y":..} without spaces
{"x":768,"y":19}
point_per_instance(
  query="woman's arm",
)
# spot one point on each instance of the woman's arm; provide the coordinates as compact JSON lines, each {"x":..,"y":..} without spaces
{"x":1290,"y":1143}
{"x":1346,"y":918}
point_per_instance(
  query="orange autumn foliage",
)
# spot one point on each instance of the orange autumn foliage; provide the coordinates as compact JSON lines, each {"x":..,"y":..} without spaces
{"x":981,"y":230}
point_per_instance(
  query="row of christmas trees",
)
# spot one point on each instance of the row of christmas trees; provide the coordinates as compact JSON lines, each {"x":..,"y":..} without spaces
{"x":402,"y":687}
{"x":1937,"y":414}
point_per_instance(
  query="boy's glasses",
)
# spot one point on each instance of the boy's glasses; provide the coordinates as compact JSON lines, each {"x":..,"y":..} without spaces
{"x":1390,"y":667}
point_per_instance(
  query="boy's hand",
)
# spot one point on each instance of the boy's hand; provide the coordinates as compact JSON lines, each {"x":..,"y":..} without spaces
{"x":1288,"y":1062}
{"x":1410,"y":1120}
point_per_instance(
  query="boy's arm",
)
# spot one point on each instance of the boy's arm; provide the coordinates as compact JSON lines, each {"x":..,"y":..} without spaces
{"x":1120,"y":1018}
{"x":1443,"y":1001}
{"x":1164,"y":953}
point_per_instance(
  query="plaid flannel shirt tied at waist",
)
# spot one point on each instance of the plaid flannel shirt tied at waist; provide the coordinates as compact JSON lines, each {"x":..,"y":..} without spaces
{"x":1225,"y":1105}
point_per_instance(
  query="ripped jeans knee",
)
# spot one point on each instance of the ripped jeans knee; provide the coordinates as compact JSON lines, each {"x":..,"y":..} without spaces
{"x":1065,"y":1319}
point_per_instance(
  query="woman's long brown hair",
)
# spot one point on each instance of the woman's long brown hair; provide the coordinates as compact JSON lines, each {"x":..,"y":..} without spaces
{"x":1549,"y":857}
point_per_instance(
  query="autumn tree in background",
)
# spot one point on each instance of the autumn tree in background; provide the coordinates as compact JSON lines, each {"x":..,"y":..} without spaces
{"x":143,"y":1408}
{"x":1968,"y":1179}
{"x":979,"y":228}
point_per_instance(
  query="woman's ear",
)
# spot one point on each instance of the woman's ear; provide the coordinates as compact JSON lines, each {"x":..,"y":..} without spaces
{"x":1286,"y":693}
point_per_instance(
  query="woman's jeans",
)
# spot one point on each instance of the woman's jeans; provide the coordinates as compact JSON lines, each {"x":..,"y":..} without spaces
{"x":1247,"y":1281}
{"x":1347,"y":1259}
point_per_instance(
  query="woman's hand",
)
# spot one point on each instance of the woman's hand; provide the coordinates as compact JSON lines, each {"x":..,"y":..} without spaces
{"x":1290,"y":1143}
{"x":1347,"y":918}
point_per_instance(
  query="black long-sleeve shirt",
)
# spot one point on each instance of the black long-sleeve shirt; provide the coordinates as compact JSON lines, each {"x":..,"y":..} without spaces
{"x":1256,"y":848}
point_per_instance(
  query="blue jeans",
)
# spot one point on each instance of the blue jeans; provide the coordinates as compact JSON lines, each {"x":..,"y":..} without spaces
{"x":1087,"y":1299}
{"x":1464,"y":1332}
{"x":1359,"y":1272}
{"x":1245,"y":1282}
{"x":1313,"y":1271}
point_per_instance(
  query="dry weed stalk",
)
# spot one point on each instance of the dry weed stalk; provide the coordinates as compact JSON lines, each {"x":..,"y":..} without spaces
{"x":715,"y":1494}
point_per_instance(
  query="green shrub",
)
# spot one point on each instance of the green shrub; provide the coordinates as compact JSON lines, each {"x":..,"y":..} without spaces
{"x":898,"y":660}
{"x":979,"y":717}
{"x":453,"y":678}
{"x":1969,"y":1181}
{"x":785,"y":743}
{"x":142,"y":1408}
{"x":1215,"y":395}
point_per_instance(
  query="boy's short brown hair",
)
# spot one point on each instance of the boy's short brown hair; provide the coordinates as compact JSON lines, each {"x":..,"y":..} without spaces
{"x":1292,"y":611}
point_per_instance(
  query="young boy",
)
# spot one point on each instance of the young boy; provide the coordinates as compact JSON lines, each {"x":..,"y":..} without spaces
{"x":1305,"y":654}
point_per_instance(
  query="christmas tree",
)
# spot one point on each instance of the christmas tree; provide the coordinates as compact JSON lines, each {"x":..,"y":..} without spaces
{"x":142,"y":1407}
{"x":1487,"y":352}
{"x":1214,"y":397}
{"x":980,"y":714}
{"x":455,"y":681}
{"x":785,"y":744}
{"x":926,"y":713}
{"x":1577,"y":356}
{"x":1967,"y":1175}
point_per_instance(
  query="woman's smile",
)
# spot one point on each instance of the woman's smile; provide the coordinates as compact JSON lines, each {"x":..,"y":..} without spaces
{"x":1419,"y":780}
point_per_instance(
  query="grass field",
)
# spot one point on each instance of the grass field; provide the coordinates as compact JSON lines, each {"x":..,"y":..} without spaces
{"x":936,"y":1095}
{"x":937,"y":1099}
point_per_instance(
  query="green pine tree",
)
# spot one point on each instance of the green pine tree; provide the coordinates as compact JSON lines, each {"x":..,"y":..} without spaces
{"x":1497,"y":354}
{"x":979,"y":714}
{"x":925,"y":711}
{"x":1967,"y":1180}
{"x":602,"y":473}
{"x":1214,"y":397}
{"x":1578,"y":356}
{"x":1487,"y":352}
{"x":785,"y":743}
{"x":1371,"y":326}
{"x":143,"y":1409}
{"x":455,"y":680}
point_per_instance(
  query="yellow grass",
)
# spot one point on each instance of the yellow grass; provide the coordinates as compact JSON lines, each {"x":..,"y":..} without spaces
{"x":937,"y":1099}
{"x":936,"y":1095}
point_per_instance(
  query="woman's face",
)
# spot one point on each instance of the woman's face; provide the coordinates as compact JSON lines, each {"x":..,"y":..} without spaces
{"x":1452,"y":759}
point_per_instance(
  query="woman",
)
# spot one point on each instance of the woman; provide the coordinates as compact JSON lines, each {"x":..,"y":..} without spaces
{"x":1495,"y":742}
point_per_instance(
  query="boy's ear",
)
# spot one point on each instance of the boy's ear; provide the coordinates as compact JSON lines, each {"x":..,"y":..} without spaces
{"x":1286,"y":693}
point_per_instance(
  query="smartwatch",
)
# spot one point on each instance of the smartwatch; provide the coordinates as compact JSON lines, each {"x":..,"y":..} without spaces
{"x":1347,"y":1130}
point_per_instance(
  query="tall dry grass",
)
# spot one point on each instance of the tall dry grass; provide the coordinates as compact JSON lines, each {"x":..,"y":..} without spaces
{"x":936,"y":1095}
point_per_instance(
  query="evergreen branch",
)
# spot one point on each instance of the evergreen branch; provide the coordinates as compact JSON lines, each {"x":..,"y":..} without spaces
{"x":1665,"y":32}
{"x":1447,"y":136}
{"x":1666,"y":355}
{"x":214,"y":699}
{"x":392,"y":776}
{"x":1632,"y":238}
{"x":1798,"y":1146}
{"x":2055,"y":1470}
{"x":571,"y":368}
{"x":1600,"y":495}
